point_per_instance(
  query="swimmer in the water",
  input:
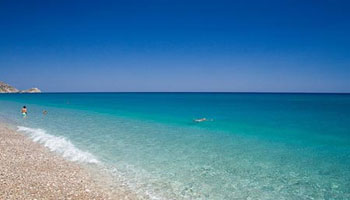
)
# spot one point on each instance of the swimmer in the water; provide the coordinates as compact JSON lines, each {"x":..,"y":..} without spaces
{"x":24,"y":111}
{"x":44,"y":112}
{"x":201,"y":120}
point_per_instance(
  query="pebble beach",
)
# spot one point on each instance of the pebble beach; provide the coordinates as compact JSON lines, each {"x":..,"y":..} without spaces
{"x":30,"y":171}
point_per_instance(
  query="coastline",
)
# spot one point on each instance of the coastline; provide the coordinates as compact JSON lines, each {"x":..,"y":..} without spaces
{"x":28,"y":170}
{"x":147,"y":145}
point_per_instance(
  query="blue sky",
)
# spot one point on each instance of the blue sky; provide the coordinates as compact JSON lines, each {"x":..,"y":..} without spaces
{"x":232,"y":46}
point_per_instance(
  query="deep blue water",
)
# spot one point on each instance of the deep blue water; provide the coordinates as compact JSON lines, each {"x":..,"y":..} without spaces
{"x":257,"y":146}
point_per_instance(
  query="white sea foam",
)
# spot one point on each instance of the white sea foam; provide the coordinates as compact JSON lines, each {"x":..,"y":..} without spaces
{"x":60,"y":145}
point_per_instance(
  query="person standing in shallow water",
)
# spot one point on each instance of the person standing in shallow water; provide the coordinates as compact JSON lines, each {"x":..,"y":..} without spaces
{"x":24,"y":111}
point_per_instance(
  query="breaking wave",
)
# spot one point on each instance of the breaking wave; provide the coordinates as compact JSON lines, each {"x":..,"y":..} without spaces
{"x":60,"y":145}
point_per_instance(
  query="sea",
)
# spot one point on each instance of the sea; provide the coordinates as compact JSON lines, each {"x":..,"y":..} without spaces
{"x":251,"y":145}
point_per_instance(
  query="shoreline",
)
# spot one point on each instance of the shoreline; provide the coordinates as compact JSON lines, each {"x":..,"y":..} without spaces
{"x":28,"y":170}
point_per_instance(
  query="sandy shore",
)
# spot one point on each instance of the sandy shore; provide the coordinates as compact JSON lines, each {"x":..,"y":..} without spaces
{"x":30,"y":171}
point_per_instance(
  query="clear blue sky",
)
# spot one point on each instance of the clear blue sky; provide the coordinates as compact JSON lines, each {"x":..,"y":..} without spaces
{"x":234,"y":46}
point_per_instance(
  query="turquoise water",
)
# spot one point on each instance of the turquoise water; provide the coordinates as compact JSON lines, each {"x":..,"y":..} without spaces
{"x":254,"y":146}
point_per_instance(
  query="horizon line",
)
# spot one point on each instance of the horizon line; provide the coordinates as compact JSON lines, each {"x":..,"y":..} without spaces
{"x":191,"y":92}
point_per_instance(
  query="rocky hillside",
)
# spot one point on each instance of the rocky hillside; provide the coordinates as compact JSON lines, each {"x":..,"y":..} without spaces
{"x":6,"y":88}
{"x":31,"y":90}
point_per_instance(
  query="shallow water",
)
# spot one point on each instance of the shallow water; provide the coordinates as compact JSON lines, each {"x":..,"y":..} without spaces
{"x":257,"y":146}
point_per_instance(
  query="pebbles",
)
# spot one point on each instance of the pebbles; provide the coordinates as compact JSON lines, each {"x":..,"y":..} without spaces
{"x":29,"y":171}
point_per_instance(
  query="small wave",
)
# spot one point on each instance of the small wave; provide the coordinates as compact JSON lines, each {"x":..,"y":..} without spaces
{"x":60,"y":145}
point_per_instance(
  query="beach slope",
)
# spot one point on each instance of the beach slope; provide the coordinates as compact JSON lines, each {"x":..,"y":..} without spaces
{"x":30,"y":171}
